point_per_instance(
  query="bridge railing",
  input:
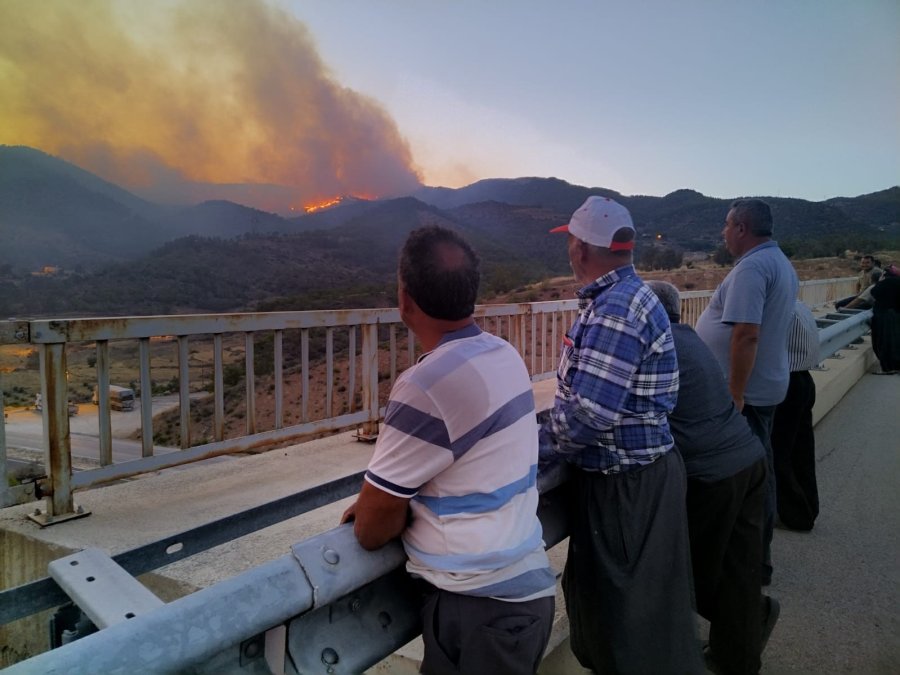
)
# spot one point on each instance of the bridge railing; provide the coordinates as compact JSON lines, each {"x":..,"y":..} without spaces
{"x":327,"y":607}
{"x":325,"y":371}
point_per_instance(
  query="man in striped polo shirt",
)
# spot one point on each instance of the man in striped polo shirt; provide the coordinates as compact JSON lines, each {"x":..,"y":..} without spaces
{"x":454,"y":473}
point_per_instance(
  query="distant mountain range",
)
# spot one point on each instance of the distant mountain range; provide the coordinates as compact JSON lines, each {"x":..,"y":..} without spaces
{"x":120,"y":254}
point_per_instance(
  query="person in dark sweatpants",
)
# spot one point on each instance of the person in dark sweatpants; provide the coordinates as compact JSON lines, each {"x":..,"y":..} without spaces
{"x":726,"y":489}
{"x":793,"y":439}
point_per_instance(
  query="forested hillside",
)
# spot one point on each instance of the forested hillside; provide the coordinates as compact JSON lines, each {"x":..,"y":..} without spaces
{"x":74,"y":244}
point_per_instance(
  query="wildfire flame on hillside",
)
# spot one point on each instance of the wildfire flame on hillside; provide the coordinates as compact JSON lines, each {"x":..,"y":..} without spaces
{"x":312,"y":207}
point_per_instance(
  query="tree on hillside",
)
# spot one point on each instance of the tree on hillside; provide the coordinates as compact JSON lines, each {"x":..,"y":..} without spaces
{"x":721,"y":256}
{"x":656,"y":257}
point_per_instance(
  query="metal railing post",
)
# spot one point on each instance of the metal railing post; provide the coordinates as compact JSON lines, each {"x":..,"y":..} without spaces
{"x":57,"y":443}
{"x":184,"y":392}
{"x":105,"y":421}
{"x":146,"y":399}
{"x":370,"y":381}
{"x":4,"y":472}
{"x":250,"y":383}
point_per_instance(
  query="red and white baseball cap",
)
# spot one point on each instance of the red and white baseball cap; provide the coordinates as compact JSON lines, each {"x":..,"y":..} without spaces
{"x":597,"y":220}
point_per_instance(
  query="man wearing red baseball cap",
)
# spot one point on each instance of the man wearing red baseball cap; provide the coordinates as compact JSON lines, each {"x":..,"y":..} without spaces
{"x":627,"y":581}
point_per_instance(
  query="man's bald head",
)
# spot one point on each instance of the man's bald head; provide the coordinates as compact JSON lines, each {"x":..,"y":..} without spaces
{"x":439,"y":271}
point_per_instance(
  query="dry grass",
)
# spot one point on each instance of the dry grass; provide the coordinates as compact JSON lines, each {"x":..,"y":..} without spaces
{"x":697,"y":276}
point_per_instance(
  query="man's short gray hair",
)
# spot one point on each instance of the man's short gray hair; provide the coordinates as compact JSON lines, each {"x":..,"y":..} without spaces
{"x":669,"y":297}
{"x":755,"y":214}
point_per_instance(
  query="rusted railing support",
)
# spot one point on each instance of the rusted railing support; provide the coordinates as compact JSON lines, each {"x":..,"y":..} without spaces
{"x":57,"y":444}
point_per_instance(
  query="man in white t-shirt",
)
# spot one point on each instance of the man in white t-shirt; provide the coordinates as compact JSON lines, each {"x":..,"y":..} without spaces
{"x":454,"y":474}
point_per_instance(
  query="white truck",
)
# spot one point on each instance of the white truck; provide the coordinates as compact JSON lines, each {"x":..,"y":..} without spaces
{"x":120,"y":398}
{"x":39,"y":405}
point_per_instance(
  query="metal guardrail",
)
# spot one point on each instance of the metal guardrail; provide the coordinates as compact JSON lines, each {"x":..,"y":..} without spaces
{"x":344,"y":610}
{"x":534,"y":328}
{"x":839,"y":329}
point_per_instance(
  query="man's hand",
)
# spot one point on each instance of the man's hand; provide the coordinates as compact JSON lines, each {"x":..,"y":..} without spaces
{"x":377,"y":516}
{"x":349,"y":515}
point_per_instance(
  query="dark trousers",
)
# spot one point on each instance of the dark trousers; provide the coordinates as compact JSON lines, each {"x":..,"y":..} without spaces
{"x":886,"y":338}
{"x":761,"y":418}
{"x":627,"y":581}
{"x":794,"y":448}
{"x":725,"y":519}
{"x":464,"y":634}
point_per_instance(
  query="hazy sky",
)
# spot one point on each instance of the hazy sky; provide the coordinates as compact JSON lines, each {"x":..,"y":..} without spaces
{"x":283,"y":104}
{"x":795,"y":98}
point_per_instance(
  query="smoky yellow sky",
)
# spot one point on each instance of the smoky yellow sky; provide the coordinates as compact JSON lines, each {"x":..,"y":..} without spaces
{"x":166,"y":97}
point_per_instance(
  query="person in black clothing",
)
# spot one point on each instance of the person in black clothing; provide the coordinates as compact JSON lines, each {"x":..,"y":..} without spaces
{"x":726,"y":469}
{"x":886,"y":320}
{"x":793,"y":439}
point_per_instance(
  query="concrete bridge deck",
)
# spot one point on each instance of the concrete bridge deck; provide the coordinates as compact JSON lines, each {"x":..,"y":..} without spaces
{"x":839,"y":585}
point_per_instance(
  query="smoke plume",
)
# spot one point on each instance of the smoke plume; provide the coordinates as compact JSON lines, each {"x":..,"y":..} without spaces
{"x":182,"y":101}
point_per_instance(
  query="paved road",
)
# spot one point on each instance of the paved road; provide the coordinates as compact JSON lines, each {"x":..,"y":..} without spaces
{"x":24,"y":431}
{"x":839,"y":585}
{"x":83,"y":445}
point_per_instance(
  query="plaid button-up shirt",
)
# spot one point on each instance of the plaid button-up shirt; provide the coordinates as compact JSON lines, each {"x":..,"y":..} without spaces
{"x":617,"y":379}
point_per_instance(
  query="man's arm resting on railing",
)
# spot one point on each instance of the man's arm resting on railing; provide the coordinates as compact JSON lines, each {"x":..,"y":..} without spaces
{"x":377,"y":516}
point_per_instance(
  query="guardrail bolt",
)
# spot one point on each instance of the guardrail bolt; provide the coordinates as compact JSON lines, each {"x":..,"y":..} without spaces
{"x":329,"y":658}
{"x":251,"y":651}
{"x":355,"y":604}
{"x":384,"y":619}
{"x":331,"y":556}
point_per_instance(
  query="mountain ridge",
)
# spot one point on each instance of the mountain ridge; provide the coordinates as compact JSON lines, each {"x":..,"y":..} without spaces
{"x":121,"y":254}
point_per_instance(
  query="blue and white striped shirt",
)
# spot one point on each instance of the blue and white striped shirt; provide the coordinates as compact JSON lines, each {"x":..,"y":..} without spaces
{"x":460,"y":441}
{"x":617,"y":379}
{"x":803,"y":339}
